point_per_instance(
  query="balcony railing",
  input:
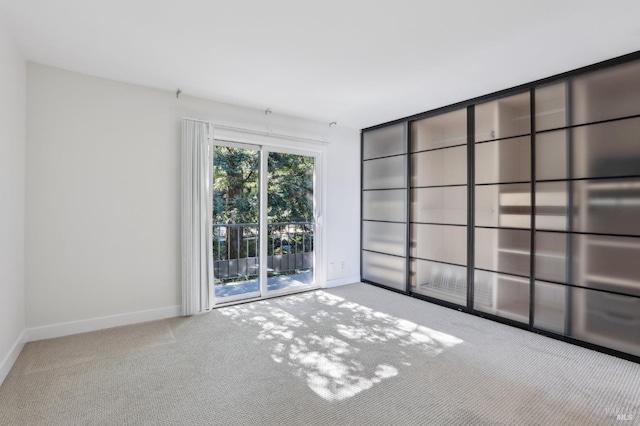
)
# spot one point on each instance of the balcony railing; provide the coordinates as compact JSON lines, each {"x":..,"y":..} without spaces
{"x":236,"y":249}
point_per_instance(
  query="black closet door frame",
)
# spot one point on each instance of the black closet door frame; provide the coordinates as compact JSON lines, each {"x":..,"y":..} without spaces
{"x":406,"y":139}
{"x":470,"y":104}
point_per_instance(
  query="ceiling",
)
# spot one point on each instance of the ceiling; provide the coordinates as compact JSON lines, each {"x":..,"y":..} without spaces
{"x":356,"y":62}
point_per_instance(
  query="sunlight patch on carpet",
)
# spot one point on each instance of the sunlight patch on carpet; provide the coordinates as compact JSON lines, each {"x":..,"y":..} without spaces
{"x":339,"y":347}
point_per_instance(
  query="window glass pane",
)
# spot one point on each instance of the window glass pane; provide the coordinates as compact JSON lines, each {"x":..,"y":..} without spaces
{"x":439,"y":280}
{"x":551,"y":107}
{"x":503,"y":205}
{"x":601,"y":318}
{"x":290,"y":223}
{"x":503,"y":161}
{"x":441,"y":167}
{"x":447,"y":205}
{"x":439,"y":131}
{"x":384,"y":269}
{"x":440,"y":243}
{"x":610,"y":206}
{"x":552,"y":205}
{"x":551,"y":155}
{"x":502,"y":118}
{"x":384,"y":237}
{"x":550,"y":307}
{"x":607,"y":263}
{"x":551,"y":256}
{"x":606,"y":319}
{"x":390,"y":172}
{"x":503,"y":250}
{"x":607,"y":149}
{"x":606,"y":94}
{"x":390,"y":140}
{"x":235,"y":221}
{"x":387,"y":205}
{"x":503,"y":295}
{"x":601,"y":262}
{"x":599,"y":150}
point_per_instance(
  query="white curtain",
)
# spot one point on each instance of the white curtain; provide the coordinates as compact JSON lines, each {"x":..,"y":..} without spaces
{"x":197,"y":263}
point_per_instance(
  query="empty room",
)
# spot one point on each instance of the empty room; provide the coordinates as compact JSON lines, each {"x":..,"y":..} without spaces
{"x":319,"y":213}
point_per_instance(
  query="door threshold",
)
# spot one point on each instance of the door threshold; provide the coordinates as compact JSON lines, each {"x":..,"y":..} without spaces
{"x":270,"y":296}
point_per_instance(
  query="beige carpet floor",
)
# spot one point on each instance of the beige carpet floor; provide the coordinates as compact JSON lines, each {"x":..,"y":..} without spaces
{"x":353,"y":355}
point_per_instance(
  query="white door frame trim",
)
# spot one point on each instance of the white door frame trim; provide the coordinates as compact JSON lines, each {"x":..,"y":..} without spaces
{"x":265,"y":146}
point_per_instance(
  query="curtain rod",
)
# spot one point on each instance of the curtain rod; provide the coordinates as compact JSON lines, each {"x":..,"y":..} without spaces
{"x":257,"y":132}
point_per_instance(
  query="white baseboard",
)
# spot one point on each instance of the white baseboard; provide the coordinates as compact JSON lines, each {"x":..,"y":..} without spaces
{"x":343,"y":281}
{"x":11,"y":357}
{"x":93,"y":324}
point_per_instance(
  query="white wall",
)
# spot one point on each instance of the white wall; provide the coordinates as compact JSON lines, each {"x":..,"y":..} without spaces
{"x":12,"y":184}
{"x":103,"y":197}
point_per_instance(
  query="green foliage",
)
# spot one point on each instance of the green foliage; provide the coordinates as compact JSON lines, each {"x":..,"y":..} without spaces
{"x":236,"y":200}
{"x":290,"y":188}
{"x":236,"y":186}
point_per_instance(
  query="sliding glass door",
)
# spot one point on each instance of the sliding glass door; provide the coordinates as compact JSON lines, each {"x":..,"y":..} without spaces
{"x":290,"y":221}
{"x":236,"y":210}
{"x":264,"y":221}
{"x":522,"y":206}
